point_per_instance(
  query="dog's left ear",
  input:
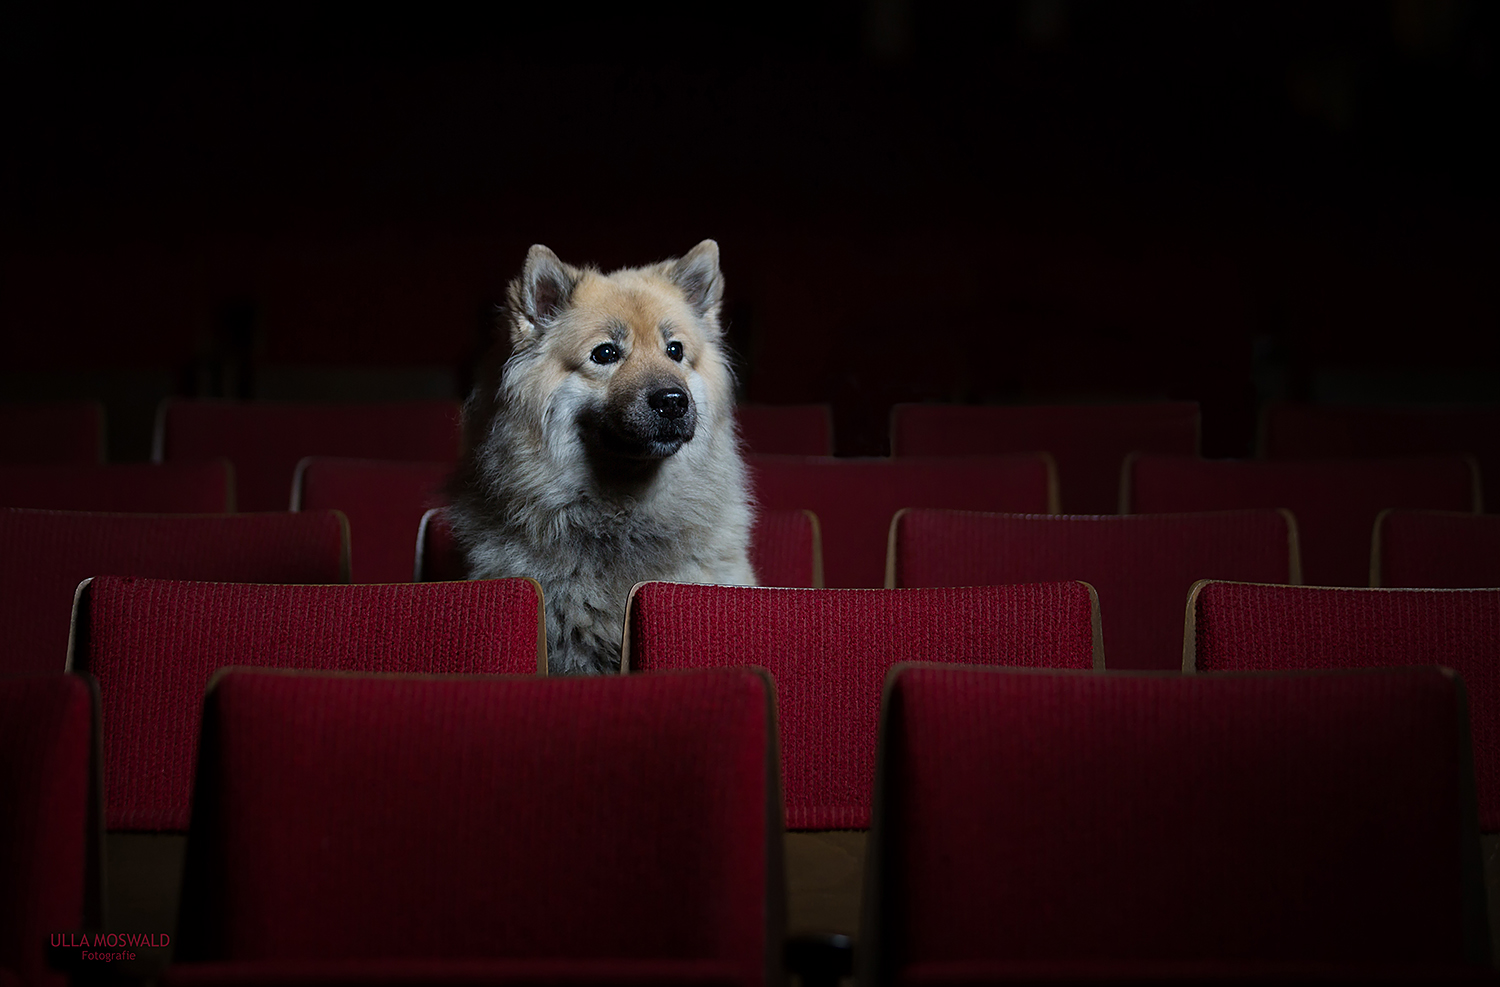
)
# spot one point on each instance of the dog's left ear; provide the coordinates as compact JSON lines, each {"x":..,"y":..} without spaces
{"x":697,"y":274}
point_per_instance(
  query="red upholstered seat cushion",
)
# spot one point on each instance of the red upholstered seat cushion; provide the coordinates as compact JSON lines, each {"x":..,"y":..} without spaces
{"x":384,"y":502}
{"x":46,"y":743}
{"x":1447,"y":549}
{"x":1335,"y":501}
{"x":205,"y":487}
{"x":1089,"y":443}
{"x":1033,"y":817}
{"x":855,"y":499}
{"x":785,"y":549}
{"x":1247,"y":627}
{"x":153,"y":645}
{"x":1141,"y":565}
{"x":829,"y":650}
{"x":48,"y":553}
{"x":619,"y":820}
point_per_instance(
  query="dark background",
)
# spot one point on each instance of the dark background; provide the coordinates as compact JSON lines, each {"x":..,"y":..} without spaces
{"x":1024,"y":202}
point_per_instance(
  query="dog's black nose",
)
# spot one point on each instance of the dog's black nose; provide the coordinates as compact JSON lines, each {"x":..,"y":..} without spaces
{"x":669,"y":402}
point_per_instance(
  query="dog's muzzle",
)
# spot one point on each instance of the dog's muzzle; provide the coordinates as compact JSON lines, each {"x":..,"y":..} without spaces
{"x":653,"y":424}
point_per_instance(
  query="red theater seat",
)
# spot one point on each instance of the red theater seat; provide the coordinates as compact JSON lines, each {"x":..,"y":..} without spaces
{"x":1088,"y":442}
{"x":1321,"y":431}
{"x":384,"y":501}
{"x":1048,"y":827}
{"x":1335,"y":501}
{"x":49,"y":819}
{"x":785,"y":549}
{"x":1141,"y":565}
{"x":205,"y":487}
{"x":1252,"y":627}
{"x":1445,"y":549}
{"x":786,"y":429}
{"x":484,"y":830}
{"x":52,"y":432}
{"x":48,"y":553}
{"x":829,"y":650}
{"x":855,"y":499}
{"x":266,"y":440}
{"x":153,"y":644}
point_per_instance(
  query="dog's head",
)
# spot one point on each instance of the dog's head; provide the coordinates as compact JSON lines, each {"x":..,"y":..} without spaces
{"x":630,"y":358}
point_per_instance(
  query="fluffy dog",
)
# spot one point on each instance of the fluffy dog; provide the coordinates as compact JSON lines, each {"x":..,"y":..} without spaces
{"x":602,"y":449}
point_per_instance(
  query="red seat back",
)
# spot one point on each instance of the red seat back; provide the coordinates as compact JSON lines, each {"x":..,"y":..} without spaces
{"x":52,"y":432}
{"x":49,"y":824}
{"x":205,"y":487}
{"x":855,"y":499}
{"x":1141,"y":565}
{"x":1335,"y":501}
{"x":265,"y":440}
{"x":1054,"y":823}
{"x":829,"y":650}
{"x":48,"y":553}
{"x":1088,"y":442}
{"x":384,"y":502}
{"x":1251,"y":627}
{"x":397,"y":818}
{"x":153,"y":645}
{"x":1447,"y":549}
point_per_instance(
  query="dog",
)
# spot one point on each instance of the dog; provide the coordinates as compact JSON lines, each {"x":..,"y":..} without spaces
{"x":601,"y":446}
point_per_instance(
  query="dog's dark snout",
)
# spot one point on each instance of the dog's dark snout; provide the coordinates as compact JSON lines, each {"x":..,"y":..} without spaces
{"x":669,"y":402}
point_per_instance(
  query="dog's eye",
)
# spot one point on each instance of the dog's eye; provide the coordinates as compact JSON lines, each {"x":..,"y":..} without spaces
{"x":605,"y":353}
{"x":674,"y":350}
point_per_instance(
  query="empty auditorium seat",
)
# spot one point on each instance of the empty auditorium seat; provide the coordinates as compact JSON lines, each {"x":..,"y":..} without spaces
{"x":384,"y":501}
{"x":485,"y":830}
{"x":786,"y":429}
{"x":1447,"y":549}
{"x":855,"y":499}
{"x":205,"y":487}
{"x":46,"y":554}
{"x":1141,"y":565}
{"x":1088,"y":442}
{"x":1292,"y":430}
{"x":828,"y":651}
{"x":785,"y":549}
{"x":1048,"y":827}
{"x":266,"y":440}
{"x":1335,"y":502}
{"x":49,"y":819}
{"x":52,"y":432}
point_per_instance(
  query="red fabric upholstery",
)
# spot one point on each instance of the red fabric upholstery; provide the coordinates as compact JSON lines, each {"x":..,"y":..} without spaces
{"x":605,"y":819}
{"x":855,"y":499}
{"x":384,"y":502}
{"x":1141,"y":565}
{"x":1036,"y":817}
{"x":177,"y":488}
{"x":52,"y":432}
{"x":48,"y":553}
{"x":265,"y":441}
{"x":785,"y":549}
{"x":786,"y":429}
{"x":153,"y":644}
{"x":1088,"y":442}
{"x":438,"y":557}
{"x":1335,"y":501}
{"x":460,"y":973}
{"x":1309,"y":431}
{"x":46,"y":740}
{"x":829,"y":650}
{"x":1242,"y":626}
{"x":1436,"y":548}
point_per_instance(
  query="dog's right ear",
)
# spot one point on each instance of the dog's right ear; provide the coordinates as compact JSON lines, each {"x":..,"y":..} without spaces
{"x":540,"y":294}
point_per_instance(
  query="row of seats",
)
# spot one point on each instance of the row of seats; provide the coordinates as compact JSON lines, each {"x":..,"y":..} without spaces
{"x":1050,"y":814}
{"x":1141,"y":565}
{"x":265,"y":440}
{"x":1335,"y":501}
